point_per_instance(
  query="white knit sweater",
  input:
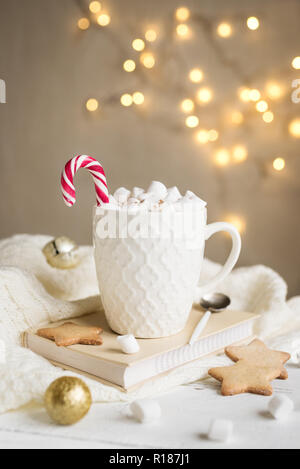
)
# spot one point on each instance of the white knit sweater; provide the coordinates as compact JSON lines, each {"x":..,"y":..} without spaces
{"x":32,"y":292}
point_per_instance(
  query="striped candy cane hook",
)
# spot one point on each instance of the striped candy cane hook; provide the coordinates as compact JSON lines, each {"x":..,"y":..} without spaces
{"x":94,"y":168}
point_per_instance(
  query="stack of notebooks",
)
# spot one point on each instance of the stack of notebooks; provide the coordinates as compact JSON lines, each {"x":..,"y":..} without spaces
{"x":107,"y":363}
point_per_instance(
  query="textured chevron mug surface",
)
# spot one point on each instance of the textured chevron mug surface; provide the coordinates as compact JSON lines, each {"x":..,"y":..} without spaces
{"x":148,"y":280}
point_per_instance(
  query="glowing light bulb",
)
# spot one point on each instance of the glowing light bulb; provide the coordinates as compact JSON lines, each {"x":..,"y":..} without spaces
{"x":129,"y":65}
{"x":183,"y":30}
{"x":213,"y":135}
{"x":83,"y":24}
{"x":294,"y":128}
{"x":192,"y":122}
{"x":237,"y":117}
{"x":103,"y":19}
{"x":138,"y":45}
{"x":151,"y":35}
{"x":274,"y":90}
{"x":202,"y":136}
{"x":126,"y":100}
{"x":238,"y":222}
{"x":138,"y":98}
{"x":268,"y":117}
{"x":187,"y":105}
{"x":244,"y":94}
{"x":147,"y":59}
{"x":92,"y":105}
{"x":239,"y":153}
{"x":222,"y":157}
{"x":182,"y":14}
{"x":196,"y":75}
{"x":279,"y":164}
{"x":204,"y":95}
{"x":253,"y":23}
{"x":224,"y":30}
{"x":95,"y":7}
{"x":254,"y":95}
{"x":262,"y":106}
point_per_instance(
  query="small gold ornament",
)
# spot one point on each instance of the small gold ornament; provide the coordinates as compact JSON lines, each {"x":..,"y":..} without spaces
{"x":62,"y":253}
{"x":68,"y":400}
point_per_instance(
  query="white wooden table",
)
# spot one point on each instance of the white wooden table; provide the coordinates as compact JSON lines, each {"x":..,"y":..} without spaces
{"x":187,"y":412}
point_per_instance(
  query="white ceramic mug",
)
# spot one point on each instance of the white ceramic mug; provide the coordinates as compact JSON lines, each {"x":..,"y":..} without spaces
{"x":148,"y":284}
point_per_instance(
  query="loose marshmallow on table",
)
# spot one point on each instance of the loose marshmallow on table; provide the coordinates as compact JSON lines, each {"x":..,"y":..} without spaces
{"x":158,"y":189}
{"x":146,"y":410}
{"x":121,"y":195}
{"x":220,"y":430}
{"x":280,"y":406}
{"x":128,"y":344}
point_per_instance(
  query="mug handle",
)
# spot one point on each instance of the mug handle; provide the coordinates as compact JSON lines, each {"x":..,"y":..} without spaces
{"x":231,"y":261}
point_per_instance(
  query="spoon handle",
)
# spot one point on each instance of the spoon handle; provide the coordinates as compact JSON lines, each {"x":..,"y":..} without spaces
{"x":200,"y":327}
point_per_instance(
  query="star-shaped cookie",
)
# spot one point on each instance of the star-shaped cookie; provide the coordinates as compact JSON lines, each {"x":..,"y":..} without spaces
{"x":71,"y":334}
{"x":259,"y":354}
{"x":245,"y":377}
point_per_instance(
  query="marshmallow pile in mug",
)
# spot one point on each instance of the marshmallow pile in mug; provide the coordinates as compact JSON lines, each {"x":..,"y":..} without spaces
{"x":157,"y":197}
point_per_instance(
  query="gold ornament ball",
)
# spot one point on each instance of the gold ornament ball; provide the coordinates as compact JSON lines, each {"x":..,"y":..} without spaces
{"x":68,"y":400}
{"x":62,"y":253}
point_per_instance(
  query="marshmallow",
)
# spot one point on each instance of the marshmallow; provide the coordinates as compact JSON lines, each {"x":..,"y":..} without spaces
{"x":146,"y":410}
{"x":280,"y":406}
{"x":173,"y":195}
{"x":145,"y":196}
{"x":158,"y":189}
{"x":191,"y":197}
{"x":133,"y":201}
{"x":121,"y":195}
{"x":220,"y":430}
{"x":136,"y":191}
{"x":128,"y":344}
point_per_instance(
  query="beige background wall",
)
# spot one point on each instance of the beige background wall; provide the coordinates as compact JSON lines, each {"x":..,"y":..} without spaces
{"x":51,"y":69}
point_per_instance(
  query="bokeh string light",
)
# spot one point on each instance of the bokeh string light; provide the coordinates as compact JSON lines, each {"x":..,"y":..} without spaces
{"x":224,"y":30}
{"x":138,"y":44}
{"x":151,"y":35}
{"x":95,"y":7}
{"x":83,"y":24}
{"x":92,"y":105}
{"x":129,"y":65}
{"x":251,"y":95}
{"x":279,"y":164}
{"x":196,"y":75}
{"x":103,"y":19}
{"x":253,"y":23}
{"x":187,"y":105}
{"x":182,"y":13}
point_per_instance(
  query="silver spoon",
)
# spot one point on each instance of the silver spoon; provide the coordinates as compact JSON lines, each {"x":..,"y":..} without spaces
{"x":213,"y":303}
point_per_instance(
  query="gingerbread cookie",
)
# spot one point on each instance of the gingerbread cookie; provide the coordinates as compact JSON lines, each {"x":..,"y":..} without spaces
{"x":71,"y":334}
{"x":245,"y":377}
{"x":259,"y":354}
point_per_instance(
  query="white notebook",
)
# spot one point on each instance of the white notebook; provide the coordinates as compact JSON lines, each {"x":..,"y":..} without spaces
{"x":157,"y":356}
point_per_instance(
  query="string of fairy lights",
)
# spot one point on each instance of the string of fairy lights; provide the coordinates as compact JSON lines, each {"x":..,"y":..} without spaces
{"x":257,"y":101}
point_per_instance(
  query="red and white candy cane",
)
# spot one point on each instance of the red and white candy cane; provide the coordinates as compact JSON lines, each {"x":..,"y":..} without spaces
{"x":94,"y":168}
